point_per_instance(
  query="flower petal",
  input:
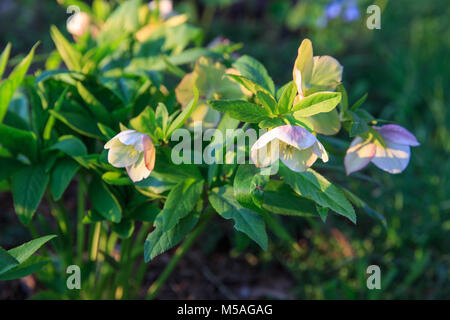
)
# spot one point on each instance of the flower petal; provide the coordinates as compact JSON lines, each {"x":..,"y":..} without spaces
{"x":295,"y":136}
{"x":266,"y":154}
{"x":121,"y":155}
{"x":149,"y":152}
{"x":393,"y":159}
{"x":326,"y":73}
{"x":304,"y":62}
{"x":397,"y":134}
{"x":130,"y":137}
{"x":138,"y":170}
{"x":298,"y":160}
{"x":319,"y":150}
{"x":358,"y":155}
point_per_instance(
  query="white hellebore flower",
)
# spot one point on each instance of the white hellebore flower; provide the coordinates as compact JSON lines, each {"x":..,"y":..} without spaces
{"x":165,"y":7}
{"x":393,"y":157}
{"x":79,"y":24}
{"x":295,"y":146}
{"x":133,"y":150}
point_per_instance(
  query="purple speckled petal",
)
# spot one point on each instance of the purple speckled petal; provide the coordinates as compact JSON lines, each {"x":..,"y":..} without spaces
{"x":398,"y":135}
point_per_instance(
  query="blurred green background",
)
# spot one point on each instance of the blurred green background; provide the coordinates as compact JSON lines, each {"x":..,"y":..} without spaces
{"x":405,"y":68}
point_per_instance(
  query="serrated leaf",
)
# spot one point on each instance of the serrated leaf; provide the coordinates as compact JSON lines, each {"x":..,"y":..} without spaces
{"x":287,"y":97}
{"x":159,"y":241}
{"x":180,"y":201}
{"x":319,"y":102}
{"x":245,"y":220}
{"x":311,"y":184}
{"x":255,"y":71}
{"x":241,"y":110}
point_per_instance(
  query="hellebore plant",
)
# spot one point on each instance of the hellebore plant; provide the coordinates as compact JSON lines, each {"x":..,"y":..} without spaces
{"x":105,"y":117}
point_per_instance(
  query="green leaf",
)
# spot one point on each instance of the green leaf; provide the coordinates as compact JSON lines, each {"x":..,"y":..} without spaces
{"x":184,"y":115}
{"x":71,"y":57}
{"x":116,"y":178}
{"x":255,"y":71}
{"x":287,"y":97}
{"x":358,"y":202}
{"x":124,"y":229}
{"x":4,"y":59}
{"x":267,"y":101}
{"x":62,"y":173}
{"x":270,"y":123}
{"x":358,"y":126}
{"x":159,"y":241}
{"x":319,"y":102}
{"x":32,"y":265}
{"x":8,"y":166}
{"x":313,"y":185}
{"x":7,"y":261}
{"x":79,"y":123}
{"x":104,"y":201}
{"x":279,"y":198}
{"x":241,"y":110}
{"x":248,"y":185}
{"x":28,"y":187}
{"x":9,"y":86}
{"x":95,"y":106}
{"x":24,"y":251}
{"x":180,"y":201}
{"x":247,"y":221}
{"x":146,"y":212}
{"x":18,"y":141}
{"x":92,"y":216}
{"x":248,"y":84}
{"x":359,"y":103}
{"x":71,"y":146}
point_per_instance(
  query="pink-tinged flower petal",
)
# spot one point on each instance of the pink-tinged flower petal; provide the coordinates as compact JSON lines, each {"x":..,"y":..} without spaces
{"x":359,"y":154}
{"x":117,"y":138}
{"x":298,"y":160}
{"x":138,"y":170}
{"x":393,"y":159}
{"x":149,"y":152}
{"x":295,"y":136}
{"x":397,"y":134}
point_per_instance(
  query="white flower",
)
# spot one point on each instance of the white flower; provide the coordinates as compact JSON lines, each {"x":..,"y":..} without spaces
{"x":295,"y":146}
{"x":79,"y":24}
{"x":134,"y":151}
{"x":392,"y":157}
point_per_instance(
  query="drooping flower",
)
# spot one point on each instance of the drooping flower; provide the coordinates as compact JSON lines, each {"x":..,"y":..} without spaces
{"x":134,"y":151}
{"x":79,"y":24}
{"x":295,"y":146}
{"x":317,"y":73}
{"x":391,"y":156}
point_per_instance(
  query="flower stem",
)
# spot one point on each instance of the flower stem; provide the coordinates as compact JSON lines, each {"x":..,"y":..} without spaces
{"x":179,"y":253}
{"x":80,"y":211}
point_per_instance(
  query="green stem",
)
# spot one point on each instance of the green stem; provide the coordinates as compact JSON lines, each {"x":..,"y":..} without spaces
{"x":81,"y":207}
{"x":95,"y":241}
{"x":179,"y":253}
